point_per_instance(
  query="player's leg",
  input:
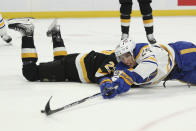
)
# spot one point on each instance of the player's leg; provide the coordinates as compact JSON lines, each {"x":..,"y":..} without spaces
{"x":181,"y":75}
{"x":49,"y":71}
{"x":3,"y":31}
{"x":59,"y":49}
{"x":59,"y":70}
{"x":28,"y":52}
{"x":125,"y":17}
{"x":185,"y":57}
{"x":189,"y":77}
{"x":146,"y":12}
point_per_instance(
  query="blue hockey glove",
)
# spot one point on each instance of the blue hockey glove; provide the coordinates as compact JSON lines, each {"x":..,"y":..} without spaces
{"x":124,"y":83}
{"x":107,"y":90}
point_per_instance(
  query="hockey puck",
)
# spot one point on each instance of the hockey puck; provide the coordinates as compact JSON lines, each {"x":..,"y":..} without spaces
{"x":42,"y":111}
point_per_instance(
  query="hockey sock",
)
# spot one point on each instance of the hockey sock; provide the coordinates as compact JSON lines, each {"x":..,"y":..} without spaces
{"x":58,"y":47}
{"x":125,"y":17}
{"x":125,"y":23}
{"x":29,"y":53}
{"x":148,"y":23}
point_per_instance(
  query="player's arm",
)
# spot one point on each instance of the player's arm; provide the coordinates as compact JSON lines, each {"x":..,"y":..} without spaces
{"x":107,"y":67}
{"x":103,"y":76}
{"x":146,"y":69}
{"x":105,"y":70}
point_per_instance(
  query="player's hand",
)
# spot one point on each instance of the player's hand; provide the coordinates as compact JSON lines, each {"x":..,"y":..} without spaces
{"x":107,"y":90}
{"x":123,"y":83}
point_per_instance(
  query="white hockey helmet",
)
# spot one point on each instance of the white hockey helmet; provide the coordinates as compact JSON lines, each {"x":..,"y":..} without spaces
{"x":125,"y":46}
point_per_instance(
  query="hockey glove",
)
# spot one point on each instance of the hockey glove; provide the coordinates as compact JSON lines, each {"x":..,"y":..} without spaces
{"x":124,"y":83}
{"x":107,"y":90}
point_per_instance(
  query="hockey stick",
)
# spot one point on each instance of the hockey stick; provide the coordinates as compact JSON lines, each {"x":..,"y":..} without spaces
{"x":48,"y":110}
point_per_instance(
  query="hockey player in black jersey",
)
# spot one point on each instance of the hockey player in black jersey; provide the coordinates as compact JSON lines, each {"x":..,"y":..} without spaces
{"x":92,"y":67}
{"x":146,"y":11}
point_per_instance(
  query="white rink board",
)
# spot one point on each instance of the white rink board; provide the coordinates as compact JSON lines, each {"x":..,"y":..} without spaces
{"x":82,"y":5}
{"x":141,"y":109}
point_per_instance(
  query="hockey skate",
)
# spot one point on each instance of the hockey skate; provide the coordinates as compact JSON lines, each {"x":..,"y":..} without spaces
{"x":124,"y":36}
{"x":7,"y":38}
{"x":53,"y":29}
{"x":22,"y":25}
{"x":151,"y":39}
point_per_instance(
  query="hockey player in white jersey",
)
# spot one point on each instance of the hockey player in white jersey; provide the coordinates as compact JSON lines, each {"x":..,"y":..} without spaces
{"x":3,"y":31}
{"x":140,"y":64}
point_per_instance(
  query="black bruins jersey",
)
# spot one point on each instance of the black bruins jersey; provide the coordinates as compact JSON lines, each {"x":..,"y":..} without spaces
{"x":89,"y":67}
{"x":76,"y":67}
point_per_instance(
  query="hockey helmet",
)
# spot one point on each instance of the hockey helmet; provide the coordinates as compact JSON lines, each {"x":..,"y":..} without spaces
{"x":125,"y":46}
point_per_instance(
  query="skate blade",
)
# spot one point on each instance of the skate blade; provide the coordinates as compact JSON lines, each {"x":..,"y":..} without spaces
{"x":52,"y":25}
{"x":23,"y":20}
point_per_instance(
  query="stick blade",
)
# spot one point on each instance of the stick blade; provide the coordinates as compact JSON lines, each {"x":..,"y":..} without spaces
{"x":47,"y":109}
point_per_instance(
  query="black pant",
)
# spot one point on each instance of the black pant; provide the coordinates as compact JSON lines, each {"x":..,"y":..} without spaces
{"x":54,"y":71}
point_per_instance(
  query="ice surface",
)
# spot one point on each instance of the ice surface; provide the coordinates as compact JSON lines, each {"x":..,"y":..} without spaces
{"x":141,"y":109}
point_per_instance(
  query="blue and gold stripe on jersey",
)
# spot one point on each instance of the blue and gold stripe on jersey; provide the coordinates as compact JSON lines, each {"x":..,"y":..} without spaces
{"x":171,"y":58}
{"x":186,"y":51}
{"x":142,"y":50}
{"x":151,"y":76}
{"x":151,"y":59}
{"x":105,"y":80}
{"x":128,"y":79}
{"x":185,"y":55}
{"x":143,"y":53}
{"x":139,"y":49}
{"x":137,"y":78}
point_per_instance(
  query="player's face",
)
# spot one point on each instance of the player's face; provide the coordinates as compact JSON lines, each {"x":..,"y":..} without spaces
{"x":128,"y":59}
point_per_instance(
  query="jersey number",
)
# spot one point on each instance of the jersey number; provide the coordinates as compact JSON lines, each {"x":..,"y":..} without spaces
{"x":145,"y":51}
{"x":110,"y":67}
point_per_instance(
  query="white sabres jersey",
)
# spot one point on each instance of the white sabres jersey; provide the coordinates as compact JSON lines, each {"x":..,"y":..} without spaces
{"x":165,"y":57}
{"x":154,"y":63}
